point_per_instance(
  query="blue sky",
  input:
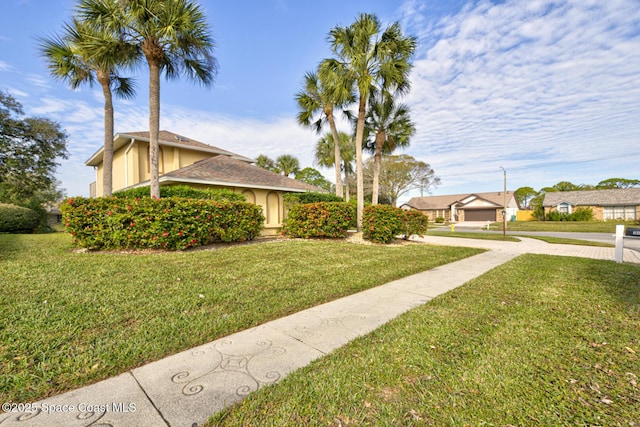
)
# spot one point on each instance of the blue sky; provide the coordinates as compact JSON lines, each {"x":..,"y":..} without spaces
{"x":547,"y":89}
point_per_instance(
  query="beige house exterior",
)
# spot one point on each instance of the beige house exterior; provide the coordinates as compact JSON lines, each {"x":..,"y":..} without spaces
{"x":186,"y":161}
{"x":606,"y":205}
{"x":465,"y":207}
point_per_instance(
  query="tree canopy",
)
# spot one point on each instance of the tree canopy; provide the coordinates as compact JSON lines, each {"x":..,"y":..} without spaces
{"x":618,"y":183}
{"x":30,"y":148}
{"x":524,"y":196}
{"x":399,"y":175}
{"x":314,"y":177}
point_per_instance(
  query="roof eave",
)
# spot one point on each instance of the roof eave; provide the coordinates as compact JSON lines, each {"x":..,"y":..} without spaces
{"x":168,"y":179}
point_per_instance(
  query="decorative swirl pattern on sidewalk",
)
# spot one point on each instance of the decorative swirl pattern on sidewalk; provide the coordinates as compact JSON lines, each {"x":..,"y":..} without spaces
{"x":229,"y":362}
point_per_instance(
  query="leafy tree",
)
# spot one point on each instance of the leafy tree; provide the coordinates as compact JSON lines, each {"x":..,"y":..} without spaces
{"x":369,"y":57}
{"x":322,"y":95}
{"x":287,"y":164}
{"x":324,"y":154}
{"x":265,"y":162}
{"x":173,"y":37}
{"x":524,"y":195}
{"x":388,"y":126}
{"x":86,"y":55}
{"x":29,"y":151}
{"x":618,"y":183}
{"x":399,"y":175}
{"x":566,"y":186}
{"x":314,"y":177}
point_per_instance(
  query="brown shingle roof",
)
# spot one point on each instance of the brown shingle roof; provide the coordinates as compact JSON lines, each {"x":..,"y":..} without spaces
{"x":165,"y":137}
{"x":444,"y":202}
{"x":611,"y":197}
{"x":225,"y":171}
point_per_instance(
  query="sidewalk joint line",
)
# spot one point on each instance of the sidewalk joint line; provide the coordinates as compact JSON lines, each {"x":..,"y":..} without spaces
{"x":149,"y":399}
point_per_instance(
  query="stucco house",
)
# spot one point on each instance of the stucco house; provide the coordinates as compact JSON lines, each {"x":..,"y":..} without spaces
{"x":184,"y":160}
{"x":465,"y":207}
{"x":611,"y":204}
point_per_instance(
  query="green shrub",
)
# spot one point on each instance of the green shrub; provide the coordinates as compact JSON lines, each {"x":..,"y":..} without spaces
{"x":184,"y":191}
{"x":16,"y":219}
{"x":414,"y":222}
{"x":580,"y":214}
{"x":292,"y":199}
{"x":324,"y":219}
{"x":166,"y":223}
{"x":440,"y":220}
{"x":381,"y":223}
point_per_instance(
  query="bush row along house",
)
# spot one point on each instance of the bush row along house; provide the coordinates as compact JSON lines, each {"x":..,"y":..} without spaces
{"x":606,"y":205}
{"x":466,"y":207}
{"x":182,"y":160}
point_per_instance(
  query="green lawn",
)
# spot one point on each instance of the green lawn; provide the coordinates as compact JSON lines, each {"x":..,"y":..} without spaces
{"x":566,"y":226}
{"x":539,"y":341}
{"x":69,"y":319}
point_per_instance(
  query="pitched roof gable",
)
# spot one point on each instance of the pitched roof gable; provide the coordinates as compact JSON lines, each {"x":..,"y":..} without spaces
{"x":445,"y":202}
{"x":226,"y":171}
{"x":165,"y":138}
{"x":609,"y":197}
{"x":173,"y":139}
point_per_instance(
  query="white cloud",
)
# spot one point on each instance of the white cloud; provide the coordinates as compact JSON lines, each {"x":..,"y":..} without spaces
{"x":524,"y":83}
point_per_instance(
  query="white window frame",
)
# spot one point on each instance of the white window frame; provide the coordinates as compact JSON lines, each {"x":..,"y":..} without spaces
{"x":620,"y":212}
{"x":564,"y":208}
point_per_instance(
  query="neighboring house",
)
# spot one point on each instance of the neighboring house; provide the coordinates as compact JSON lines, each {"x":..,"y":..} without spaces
{"x":612,"y":204}
{"x":186,"y":161}
{"x":465,"y":207}
{"x":53,"y":212}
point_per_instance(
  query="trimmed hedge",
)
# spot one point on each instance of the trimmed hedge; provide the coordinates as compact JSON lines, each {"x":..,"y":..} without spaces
{"x":324,"y":219}
{"x":167,"y":223}
{"x":381,"y":223}
{"x":184,"y":191}
{"x":16,"y":219}
{"x":292,"y":199}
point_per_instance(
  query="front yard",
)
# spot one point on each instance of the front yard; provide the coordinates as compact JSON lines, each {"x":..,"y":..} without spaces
{"x":539,"y":341}
{"x":69,"y":319}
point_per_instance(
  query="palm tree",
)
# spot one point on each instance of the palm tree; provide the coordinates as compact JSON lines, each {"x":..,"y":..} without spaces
{"x":321,"y":96}
{"x":324,"y":154}
{"x":86,"y":55}
{"x":370,"y":59}
{"x":265,"y":162}
{"x":390,"y":126}
{"x":174,"y":38}
{"x":287,"y":164}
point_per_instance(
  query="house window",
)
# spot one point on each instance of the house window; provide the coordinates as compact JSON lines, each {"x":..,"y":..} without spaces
{"x":564,"y":208}
{"x":626,"y":213}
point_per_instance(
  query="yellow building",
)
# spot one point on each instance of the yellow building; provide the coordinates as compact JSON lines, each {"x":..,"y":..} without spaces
{"x":186,"y":161}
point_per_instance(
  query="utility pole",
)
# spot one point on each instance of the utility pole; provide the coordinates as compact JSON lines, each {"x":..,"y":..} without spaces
{"x":504,"y":206}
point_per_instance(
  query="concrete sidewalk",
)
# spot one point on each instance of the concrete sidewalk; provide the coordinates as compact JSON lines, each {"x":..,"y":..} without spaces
{"x":188,"y":387}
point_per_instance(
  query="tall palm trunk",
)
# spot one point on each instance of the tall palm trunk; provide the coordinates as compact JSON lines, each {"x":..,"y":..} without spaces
{"x":107,"y":159}
{"x":154,"y":126}
{"x":338,"y":157}
{"x":362,"y":110}
{"x":347,"y":195}
{"x":377,"y":159}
